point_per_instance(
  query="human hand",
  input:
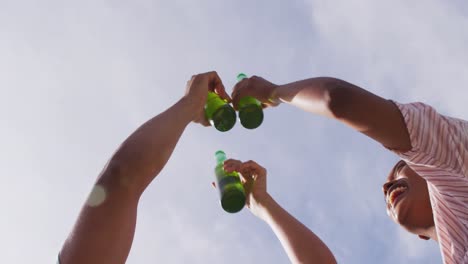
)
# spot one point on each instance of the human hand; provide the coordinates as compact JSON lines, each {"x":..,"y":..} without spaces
{"x":255,"y":86}
{"x":197,"y":91}
{"x":253,"y":177}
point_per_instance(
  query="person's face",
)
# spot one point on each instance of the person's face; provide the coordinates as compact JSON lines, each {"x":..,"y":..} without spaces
{"x":407,"y":199}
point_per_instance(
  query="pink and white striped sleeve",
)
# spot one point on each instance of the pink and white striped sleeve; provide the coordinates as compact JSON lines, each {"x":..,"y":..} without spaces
{"x":437,"y":141}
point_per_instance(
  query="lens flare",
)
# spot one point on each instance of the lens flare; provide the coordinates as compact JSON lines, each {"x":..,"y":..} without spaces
{"x":97,"y":196}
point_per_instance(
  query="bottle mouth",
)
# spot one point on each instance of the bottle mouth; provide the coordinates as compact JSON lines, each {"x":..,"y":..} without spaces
{"x":241,"y":76}
{"x":219,"y":152}
{"x":220,"y":156}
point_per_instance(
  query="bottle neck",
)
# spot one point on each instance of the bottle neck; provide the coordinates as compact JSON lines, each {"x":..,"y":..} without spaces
{"x":220,"y":157}
{"x":212,"y":96}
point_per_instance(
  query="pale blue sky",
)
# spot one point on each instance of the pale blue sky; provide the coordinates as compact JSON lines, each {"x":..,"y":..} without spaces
{"x":77,"y":78}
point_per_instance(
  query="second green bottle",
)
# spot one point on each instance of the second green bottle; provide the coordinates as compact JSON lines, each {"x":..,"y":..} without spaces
{"x":250,"y":109}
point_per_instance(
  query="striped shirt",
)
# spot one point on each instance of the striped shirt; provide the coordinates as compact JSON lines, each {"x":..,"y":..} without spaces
{"x":439,"y":154}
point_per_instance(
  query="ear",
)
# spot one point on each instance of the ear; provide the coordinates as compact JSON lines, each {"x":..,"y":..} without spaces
{"x":424,"y":237}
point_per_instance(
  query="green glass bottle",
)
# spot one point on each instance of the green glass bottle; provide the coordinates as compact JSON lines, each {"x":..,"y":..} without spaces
{"x":230,"y":187}
{"x":220,"y":114}
{"x":250,"y":109}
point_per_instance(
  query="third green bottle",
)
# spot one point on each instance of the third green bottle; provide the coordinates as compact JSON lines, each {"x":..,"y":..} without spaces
{"x":230,"y":187}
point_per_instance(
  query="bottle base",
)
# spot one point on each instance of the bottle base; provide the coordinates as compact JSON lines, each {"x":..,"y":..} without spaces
{"x":224,"y":118}
{"x":233,"y":201}
{"x":251,"y":116}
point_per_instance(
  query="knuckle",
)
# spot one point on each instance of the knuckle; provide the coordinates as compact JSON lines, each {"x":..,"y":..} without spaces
{"x":211,"y":74}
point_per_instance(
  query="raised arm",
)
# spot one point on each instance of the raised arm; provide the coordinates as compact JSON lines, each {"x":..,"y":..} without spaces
{"x":363,"y":111}
{"x":105,"y":227}
{"x":299,"y":242}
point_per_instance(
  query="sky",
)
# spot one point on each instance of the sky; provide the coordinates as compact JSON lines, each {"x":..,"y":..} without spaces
{"x":76,"y":78}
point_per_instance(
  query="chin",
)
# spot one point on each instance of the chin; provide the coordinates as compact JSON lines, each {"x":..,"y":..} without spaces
{"x":402,"y":220}
{"x":409,"y":226}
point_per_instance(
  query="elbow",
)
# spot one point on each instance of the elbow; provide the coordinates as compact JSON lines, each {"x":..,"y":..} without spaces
{"x":338,"y":97}
{"x":332,"y":260}
{"x":115,"y":178}
{"x":328,"y":259}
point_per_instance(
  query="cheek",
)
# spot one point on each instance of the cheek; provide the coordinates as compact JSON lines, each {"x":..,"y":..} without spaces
{"x":419,"y":189}
{"x":418,"y":204}
{"x":422,"y":202}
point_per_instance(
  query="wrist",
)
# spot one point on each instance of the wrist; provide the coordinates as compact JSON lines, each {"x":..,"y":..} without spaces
{"x":264,"y":205}
{"x":189,"y":108}
{"x":274,"y":97}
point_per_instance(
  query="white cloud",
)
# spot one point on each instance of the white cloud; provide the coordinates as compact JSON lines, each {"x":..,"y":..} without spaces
{"x":412,"y":51}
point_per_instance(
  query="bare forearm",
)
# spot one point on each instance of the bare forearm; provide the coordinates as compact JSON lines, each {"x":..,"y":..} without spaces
{"x":299,"y":242}
{"x":145,"y":152}
{"x":361,"y":110}
{"x":326,"y":96}
{"x":312,"y":95}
